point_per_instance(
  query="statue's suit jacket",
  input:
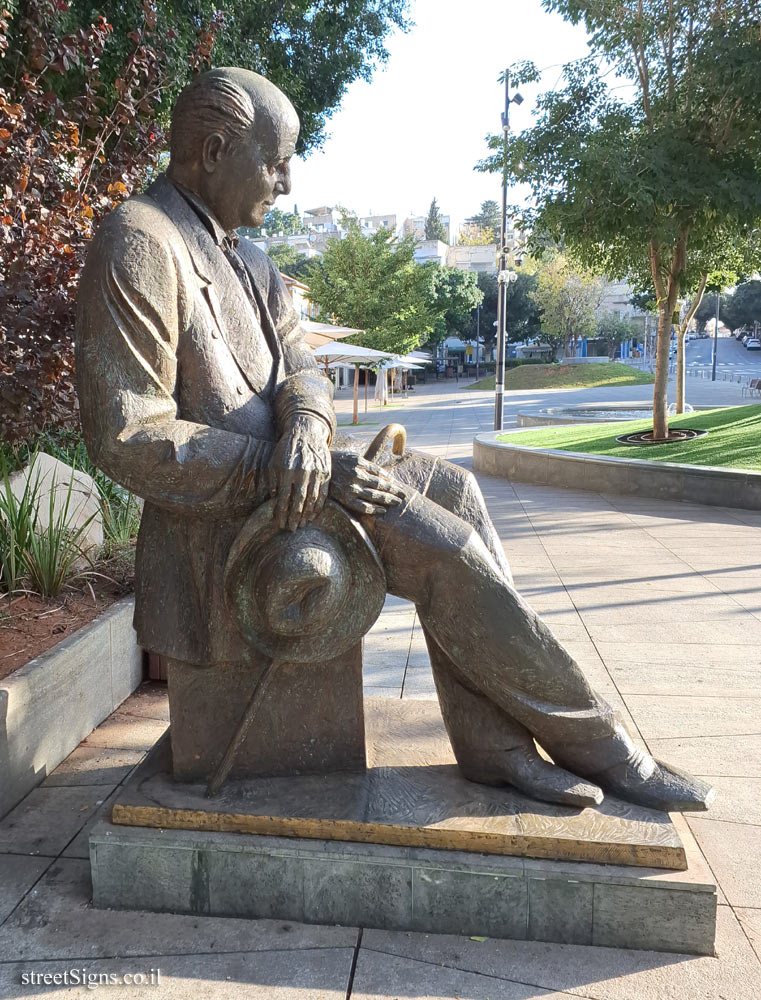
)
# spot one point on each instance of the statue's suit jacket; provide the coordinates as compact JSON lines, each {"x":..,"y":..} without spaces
{"x":185,"y":383}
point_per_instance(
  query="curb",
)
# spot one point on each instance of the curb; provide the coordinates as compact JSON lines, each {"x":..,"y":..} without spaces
{"x":702,"y":484}
{"x":48,"y":706}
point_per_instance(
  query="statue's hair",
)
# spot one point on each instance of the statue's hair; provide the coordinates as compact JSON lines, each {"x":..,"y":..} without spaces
{"x":226,"y":100}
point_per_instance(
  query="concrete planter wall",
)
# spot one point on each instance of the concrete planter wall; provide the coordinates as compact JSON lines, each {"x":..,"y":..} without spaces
{"x":601,"y":474}
{"x":48,"y":706}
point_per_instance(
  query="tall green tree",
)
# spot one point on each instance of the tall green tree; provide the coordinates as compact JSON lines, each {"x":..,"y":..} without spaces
{"x":454,"y":294}
{"x":290,"y":261}
{"x":488,"y":217}
{"x":434,"y":227}
{"x":742,"y":307}
{"x":568,"y":297}
{"x":646,"y":175}
{"x":613,"y":331}
{"x":373,"y":283}
{"x":311,"y":49}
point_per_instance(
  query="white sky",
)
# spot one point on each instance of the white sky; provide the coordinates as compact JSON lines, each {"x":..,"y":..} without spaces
{"x":418,"y":129}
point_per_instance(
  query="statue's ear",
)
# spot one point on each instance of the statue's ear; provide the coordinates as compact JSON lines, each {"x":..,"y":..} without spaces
{"x":213,"y":148}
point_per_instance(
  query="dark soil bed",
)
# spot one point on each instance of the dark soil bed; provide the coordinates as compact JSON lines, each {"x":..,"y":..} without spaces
{"x":30,"y":625}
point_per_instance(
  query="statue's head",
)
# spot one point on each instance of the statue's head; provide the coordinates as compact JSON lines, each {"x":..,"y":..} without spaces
{"x":233,"y":135}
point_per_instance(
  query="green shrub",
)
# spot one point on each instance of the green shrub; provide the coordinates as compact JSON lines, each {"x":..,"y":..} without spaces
{"x":18,"y":523}
{"x":52,"y":552}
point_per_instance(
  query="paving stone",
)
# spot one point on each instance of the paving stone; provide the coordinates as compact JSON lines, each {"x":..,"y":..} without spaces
{"x":126,"y":732}
{"x":94,"y":766}
{"x":714,"y":756}
{"x":733,"y":850}
{"x":730,"y":656}
{"x":589,"y":971}
{"x":388,"y":977}
{"x":17,"y":875}
{"x":681,"y":632}
{"x":57,"y":921}
{"x":309,"y":974}
{"x":371,"y":691}
{"x":660,"y":718}
{"x":79,"y":847}
{"x":738,"y":800}
{"x":695,"y":679}
{"x":750,"y":921}
{"x":48,"y":818}
{"x":149,"y":701}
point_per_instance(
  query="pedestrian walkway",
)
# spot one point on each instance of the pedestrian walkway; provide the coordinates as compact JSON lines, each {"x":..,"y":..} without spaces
{"x":661,"y":605}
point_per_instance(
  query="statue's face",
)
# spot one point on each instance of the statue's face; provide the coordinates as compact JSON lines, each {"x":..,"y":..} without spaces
{"x":256,"y":171}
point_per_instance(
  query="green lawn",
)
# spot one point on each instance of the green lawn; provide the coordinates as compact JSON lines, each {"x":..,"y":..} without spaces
{"x":567,"y":377}
{"x":734,"y":440}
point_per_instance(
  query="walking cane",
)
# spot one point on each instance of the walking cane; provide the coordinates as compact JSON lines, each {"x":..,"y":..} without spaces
{"x":398,"y":435}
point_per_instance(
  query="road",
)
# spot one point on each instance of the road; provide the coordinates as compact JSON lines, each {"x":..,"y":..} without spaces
{"x":732,"y":358}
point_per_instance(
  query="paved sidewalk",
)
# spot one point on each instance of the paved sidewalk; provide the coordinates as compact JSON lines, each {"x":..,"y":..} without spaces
{"x":659,"y":602}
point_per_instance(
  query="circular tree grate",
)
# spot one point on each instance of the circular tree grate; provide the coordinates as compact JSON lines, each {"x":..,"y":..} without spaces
{"x":644,"y":438}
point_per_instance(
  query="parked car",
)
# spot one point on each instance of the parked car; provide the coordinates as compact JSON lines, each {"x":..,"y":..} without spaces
{"x":753,"y":344}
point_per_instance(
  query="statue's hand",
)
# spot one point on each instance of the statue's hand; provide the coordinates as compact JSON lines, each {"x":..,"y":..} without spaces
{"x":299,"y":471}
{"x":361,"y":486}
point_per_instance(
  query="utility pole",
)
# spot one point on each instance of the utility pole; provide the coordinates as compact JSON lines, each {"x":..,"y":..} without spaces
{"x":478,"y":335}
{"x":503,"y":275}
{"x":715,"y":336}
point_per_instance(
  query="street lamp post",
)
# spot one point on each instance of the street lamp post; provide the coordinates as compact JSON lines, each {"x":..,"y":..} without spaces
{"x":715,"y":337}
{"x":503,"y":275}
{"x":478,"y":335}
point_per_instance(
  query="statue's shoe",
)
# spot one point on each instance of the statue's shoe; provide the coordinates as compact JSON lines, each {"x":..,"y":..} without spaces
{"x":533,"y":776}
{"x":646,"y":781}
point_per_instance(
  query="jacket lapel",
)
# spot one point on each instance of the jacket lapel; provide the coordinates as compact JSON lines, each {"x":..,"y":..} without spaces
{"x":225,"y":297}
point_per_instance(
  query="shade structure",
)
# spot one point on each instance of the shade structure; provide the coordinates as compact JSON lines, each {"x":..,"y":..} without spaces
{"x":354,"y":355}
{"x":318,"y":334}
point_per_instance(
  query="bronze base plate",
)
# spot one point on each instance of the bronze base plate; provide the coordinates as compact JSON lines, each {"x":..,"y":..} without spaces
{"x":412,"y":794}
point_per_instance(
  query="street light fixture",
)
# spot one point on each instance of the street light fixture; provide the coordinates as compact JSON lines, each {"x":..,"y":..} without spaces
{"x":504,"y":277}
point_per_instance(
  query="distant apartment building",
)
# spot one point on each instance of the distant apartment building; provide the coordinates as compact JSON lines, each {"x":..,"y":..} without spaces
{"x":431,"y":250}
{"x":473,"y":258}
{"x":414,"y":225}
{"x":300,"y":295}
{"x":323,"y":219}
{"x":615,"y":300}
{"x":370,"y":224}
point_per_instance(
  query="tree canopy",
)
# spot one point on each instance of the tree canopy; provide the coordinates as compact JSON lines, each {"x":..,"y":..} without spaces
{"x":434,"y":227}
{"x":454,"y":294}
{"x":568,"y":297}
{"x":291,"y":261}
{"x":311,"y":49}
{"x":645,"y":177}
{"x":742,"y":307}
{"x":373,"y":283}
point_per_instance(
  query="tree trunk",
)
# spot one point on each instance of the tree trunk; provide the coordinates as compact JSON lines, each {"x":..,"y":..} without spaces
{"x":680,"y":368}
{"x":660,"y":389}
{"x":681,"y":340}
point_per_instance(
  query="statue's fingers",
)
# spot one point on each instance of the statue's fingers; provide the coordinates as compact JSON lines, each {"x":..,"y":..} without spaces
{"x":380,"y":497}
{"x":324,"y":490}
{"x":283,"y":498}
{"x":385,"y":483}
{"x":361,"y":507}
{"x":299,"y":494}
{"x":311,"y":509}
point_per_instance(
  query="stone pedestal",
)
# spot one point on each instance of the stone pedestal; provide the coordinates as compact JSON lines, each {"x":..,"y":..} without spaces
{"x":408,"y":845}
{"x":310,"y":720}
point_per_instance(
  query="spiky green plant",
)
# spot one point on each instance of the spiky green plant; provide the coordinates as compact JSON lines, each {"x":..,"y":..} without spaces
{"x":54,"y":550}
{"x":18,"y":523}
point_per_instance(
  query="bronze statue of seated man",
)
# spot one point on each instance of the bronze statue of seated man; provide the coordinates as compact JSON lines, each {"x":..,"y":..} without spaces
{"x":198,"y":393}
